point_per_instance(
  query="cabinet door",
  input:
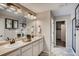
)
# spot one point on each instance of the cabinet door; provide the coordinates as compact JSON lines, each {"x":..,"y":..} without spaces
{"x":41,"y":45}
{"x":27,"y":52}
{"x":36,"y":48}
{"x":15,"y":53}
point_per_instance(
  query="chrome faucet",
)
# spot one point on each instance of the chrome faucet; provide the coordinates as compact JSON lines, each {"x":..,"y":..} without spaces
{"x":11,"y":40}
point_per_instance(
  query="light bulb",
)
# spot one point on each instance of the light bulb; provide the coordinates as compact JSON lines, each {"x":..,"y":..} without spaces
{"x":19,"y":10}
{"x":29,"y":16}
{"x":34,"y":17}
{"x":12,"y":8}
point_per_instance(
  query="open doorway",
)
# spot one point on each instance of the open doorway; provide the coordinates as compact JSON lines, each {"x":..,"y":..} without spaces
{"x":60,"y":34}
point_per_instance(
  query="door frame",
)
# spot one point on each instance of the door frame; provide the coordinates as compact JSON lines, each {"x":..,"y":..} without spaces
{"x":72,"y":33}
{"x":65,"y":33}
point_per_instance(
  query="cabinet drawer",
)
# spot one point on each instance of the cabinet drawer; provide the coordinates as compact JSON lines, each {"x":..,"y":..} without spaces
{"x":26,"y":47}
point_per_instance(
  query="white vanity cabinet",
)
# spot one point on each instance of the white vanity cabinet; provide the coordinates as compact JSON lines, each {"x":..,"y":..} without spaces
{"x":27,"y":50}
{"x":15,"y":53}
{"x":32,"y":49}
{"x":41,"y":45}
{"x":36,"y":48}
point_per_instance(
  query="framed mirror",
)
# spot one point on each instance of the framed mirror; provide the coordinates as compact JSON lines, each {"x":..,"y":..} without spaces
{"x":8,"y":23}
{"x":15,"y":24}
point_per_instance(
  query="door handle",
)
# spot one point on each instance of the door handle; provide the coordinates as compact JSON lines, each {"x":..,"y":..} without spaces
{"x":74,"y":34}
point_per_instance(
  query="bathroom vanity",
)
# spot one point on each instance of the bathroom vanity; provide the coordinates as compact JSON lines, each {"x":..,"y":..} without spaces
{"x":20,"y":48}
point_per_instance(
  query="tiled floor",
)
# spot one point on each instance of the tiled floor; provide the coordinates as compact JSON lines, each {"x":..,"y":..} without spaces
{"x":61,"y":51}
{"x":59,"y":42}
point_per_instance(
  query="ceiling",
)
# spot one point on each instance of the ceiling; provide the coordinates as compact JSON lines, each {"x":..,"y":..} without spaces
{"x":40,"y":7}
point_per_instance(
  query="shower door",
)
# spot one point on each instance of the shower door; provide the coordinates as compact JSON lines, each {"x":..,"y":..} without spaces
{"x":73,"y":35}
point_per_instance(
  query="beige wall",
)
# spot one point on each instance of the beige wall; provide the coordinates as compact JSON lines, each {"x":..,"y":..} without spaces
{"x":43,"y":19}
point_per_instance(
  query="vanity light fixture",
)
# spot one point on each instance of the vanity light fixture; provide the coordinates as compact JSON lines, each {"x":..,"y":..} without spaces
{"x":12,"y":8}
{"x":3,"y":6}
{"x":30,"y":16}
{"x":27,"y":15}
{"x":16,"y":10}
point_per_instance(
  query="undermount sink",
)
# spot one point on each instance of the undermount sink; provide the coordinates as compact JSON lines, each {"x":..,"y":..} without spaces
{"x":15,"y":45}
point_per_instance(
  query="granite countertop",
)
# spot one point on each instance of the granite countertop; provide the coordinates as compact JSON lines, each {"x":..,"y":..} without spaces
{"x":7,"y":48}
